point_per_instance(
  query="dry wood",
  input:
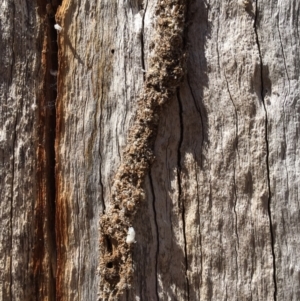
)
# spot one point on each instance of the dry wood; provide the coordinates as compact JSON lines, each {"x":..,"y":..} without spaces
{"x":219,"y":214}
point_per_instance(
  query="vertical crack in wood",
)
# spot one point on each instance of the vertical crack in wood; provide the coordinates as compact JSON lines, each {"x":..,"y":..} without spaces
{"x":181,"y":203}
{"x":50,"y":132}
{"x":101,"y":183}
{"x":236,"y":247}
{"x":100,"y":155}
{"x":200,"y":233}
{"x":142,"y":41}
{"x":165,"y":72}
{"x":267,"y":148}
{"x":157,"y":234}
{"x":217,"y":46}
{"x":44,"y":251}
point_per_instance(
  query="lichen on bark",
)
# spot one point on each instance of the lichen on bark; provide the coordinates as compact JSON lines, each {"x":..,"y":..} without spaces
{"x":165,"y":72}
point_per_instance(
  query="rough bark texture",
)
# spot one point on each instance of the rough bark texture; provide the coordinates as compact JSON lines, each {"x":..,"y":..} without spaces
{"x":219,"y":214}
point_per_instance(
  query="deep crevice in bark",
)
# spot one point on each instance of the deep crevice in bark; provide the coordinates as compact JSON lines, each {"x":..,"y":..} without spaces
{"x":267,"y":148}
{"x":157,"y":234}
{"x":101,"y":184}
{"x":143,"y":42}
{"x":44,"y":252}
{"x":180,"y":198}
{"x":236,"y":115}
{"x":217,"y":46}
{"x":51,"y":145}
{"x":100,"y":155}
{"x":236,"y":224}
{"x":200,"y":233}
{"x":201,"y":117}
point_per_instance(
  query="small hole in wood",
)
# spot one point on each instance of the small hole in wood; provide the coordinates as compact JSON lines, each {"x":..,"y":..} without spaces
{"x":108,"y":244}
{"x":109,"y":265}
{"x":112,"y":51}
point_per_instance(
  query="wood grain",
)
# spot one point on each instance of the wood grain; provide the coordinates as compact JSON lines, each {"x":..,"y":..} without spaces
{"x":220,"y":218}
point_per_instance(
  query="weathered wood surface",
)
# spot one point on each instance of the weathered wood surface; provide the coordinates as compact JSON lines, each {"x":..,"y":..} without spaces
{"x":23,"y":238}
{"x":220,"y":220}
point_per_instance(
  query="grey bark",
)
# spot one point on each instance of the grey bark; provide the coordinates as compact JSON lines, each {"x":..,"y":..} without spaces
{"x":220,"y":218}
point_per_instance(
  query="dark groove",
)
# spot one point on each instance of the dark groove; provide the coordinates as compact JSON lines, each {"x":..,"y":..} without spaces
{"x":125,"y":86}
{"x":180,"y":201}
{"x":217,"y":48}
{"x":101,"y":185}
{"x":234,"y":208}
{"x":100,"y":156}
{"x":143,"y":42}
{"x":157,"y":234}
{"x":200,"y":234}
{"x":46,"y":203}
{"x":50,"y":137}
{"x":267,"y":149}
{"x":236,"y":224}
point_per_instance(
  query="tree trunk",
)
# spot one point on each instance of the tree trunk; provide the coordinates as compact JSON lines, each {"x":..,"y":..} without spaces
{"x":177,"y":118}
